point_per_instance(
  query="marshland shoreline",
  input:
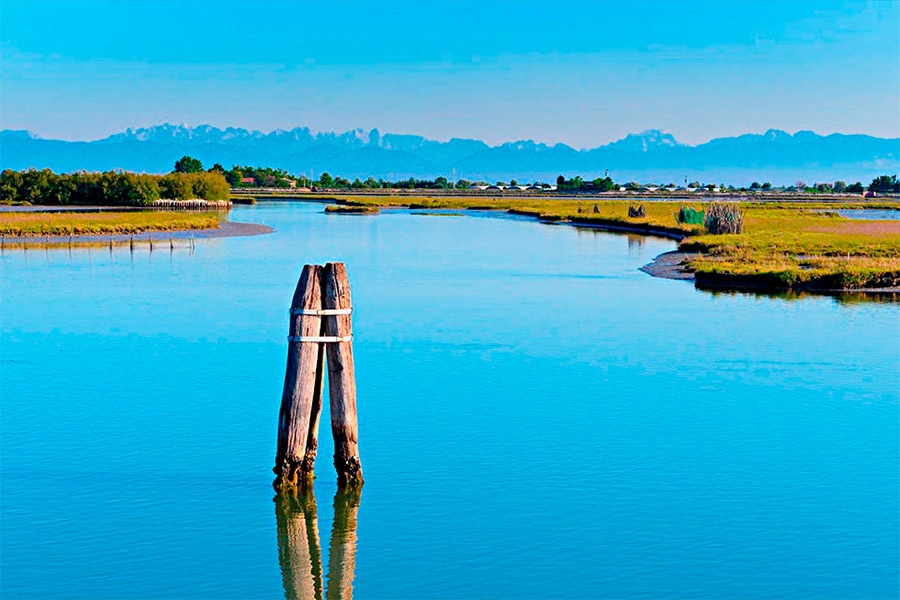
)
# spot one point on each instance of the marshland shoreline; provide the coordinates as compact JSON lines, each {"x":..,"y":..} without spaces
{"x":678,"y":265}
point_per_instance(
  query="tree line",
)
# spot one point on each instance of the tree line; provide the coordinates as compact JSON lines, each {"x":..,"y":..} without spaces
{"x":247,"y":176}
{"x":113,"y":188}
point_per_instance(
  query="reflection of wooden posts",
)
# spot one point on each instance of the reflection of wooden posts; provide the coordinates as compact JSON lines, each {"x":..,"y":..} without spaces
{"x":299,"y":550}
{"x":342,"y":550}
{"x":321,"y":292}
{"x":341,"y":380}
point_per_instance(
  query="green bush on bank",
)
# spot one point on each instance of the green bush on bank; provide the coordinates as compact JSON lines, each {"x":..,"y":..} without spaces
{"x":113,"y":188}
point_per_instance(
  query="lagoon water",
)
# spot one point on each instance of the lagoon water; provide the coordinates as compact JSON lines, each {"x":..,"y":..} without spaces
{"x":538,"y":419}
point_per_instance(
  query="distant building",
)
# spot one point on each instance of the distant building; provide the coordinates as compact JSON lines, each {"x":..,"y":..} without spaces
{"x":249,"y":180}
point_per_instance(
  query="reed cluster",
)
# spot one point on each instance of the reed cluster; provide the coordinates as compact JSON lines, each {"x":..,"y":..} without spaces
{"x":723,"y":218}
{"x":636,"y":211}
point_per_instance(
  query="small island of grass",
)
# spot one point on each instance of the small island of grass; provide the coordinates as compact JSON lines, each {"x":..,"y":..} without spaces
{"x":351,"y":209}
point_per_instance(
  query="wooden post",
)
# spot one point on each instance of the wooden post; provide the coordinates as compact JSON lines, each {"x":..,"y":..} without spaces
{"x":302,"y":382}
{"x":315,"y":413}
{"x":342,"y":549}
{"x":299,"y":550}
{"x":341,"y":379}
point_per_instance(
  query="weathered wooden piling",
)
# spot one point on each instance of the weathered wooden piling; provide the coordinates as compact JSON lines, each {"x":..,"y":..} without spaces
{"x":320,"y":332}
{"x":341,"y":378}
{"x":302,"y":381}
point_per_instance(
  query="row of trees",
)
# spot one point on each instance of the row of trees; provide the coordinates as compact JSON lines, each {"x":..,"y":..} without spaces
{"x":601,"y":184}
{"x":113,"y":188}
{"x":247,"y":176}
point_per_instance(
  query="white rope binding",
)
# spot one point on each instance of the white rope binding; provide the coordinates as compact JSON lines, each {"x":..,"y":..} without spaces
{"x":321,"y":312}
{"x":333,"y":339}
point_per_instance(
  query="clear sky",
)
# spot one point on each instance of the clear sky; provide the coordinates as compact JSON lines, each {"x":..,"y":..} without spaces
{"x":581,"y":73}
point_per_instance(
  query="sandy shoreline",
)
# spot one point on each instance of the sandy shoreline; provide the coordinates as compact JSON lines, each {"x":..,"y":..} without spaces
{"x":671,"y":265}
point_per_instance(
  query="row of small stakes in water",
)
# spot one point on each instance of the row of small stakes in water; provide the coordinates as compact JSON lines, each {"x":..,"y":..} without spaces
{"x":61,"y":241}
{"x":320,"y":332}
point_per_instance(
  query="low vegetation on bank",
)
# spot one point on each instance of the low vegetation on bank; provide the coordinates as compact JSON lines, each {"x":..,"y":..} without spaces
{"x":36,"y":224}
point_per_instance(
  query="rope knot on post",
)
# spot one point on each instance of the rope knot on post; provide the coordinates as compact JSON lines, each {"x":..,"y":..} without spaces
{"x":320,"y":330}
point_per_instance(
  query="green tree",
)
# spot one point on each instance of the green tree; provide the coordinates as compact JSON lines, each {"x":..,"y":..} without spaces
{"x":855,"y":188}
{"x":176,"y":186}
{"x":885,"y":184}
{"x":840,"y":187}
{"x":234,"y":177}
{"x":10,"y":184}
{"x":604,"y":184}
{"x":209,"y":186}
{"x":326,"y":181}
{"x":187,"y":164}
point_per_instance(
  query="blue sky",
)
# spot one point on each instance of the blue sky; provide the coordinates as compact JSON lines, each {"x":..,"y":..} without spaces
{"x":581,"y":73}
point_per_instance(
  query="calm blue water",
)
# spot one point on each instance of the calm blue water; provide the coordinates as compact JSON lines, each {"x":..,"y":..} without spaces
{"x":538,"y":419}
{"x":873,"y":214}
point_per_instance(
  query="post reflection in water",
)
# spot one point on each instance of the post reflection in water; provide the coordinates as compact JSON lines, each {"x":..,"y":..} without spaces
{"x":635,"y":244}
{"x":299,"y":548}
{"x":342,"y":551}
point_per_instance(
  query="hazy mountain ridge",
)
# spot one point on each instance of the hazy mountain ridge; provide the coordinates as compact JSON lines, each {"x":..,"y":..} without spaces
{"x":651,"y":155}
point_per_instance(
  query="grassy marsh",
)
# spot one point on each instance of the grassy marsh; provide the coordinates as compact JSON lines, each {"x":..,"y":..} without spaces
{"x":784,"y":245}
{"x":34,"y":224}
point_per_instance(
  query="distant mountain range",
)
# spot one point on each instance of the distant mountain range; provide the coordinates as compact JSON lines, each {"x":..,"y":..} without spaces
{"x":650,"y":156}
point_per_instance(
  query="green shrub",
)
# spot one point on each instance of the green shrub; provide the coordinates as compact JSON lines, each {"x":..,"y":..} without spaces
{"x":690,"y":216}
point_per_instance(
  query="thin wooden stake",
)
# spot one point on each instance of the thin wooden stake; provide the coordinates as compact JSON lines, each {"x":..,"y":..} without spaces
{"x":341,"y":378}
{"x":302,"y":381}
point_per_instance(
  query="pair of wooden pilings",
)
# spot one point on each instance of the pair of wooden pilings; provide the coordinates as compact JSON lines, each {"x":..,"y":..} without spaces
{"x":320,"y":329}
